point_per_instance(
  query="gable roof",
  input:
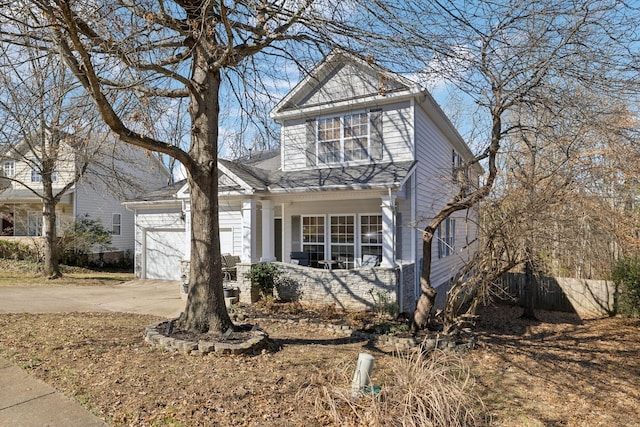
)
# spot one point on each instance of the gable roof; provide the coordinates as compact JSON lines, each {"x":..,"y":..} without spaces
{"x":357,"y":81}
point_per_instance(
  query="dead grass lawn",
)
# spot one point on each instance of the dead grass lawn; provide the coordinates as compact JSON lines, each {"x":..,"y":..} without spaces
{"x":555,"y":373}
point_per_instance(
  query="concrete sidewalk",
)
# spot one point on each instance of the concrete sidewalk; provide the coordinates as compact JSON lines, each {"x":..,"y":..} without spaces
{"x":28,"y":402}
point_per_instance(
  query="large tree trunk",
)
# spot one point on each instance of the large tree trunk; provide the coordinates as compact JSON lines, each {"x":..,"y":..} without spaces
{"x":206,"y":309}
{"x":427,"y":298}
{"x":51,"y":259}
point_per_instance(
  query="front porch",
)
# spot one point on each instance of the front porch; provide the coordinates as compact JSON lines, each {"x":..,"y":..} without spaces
{"x":349,"y":289}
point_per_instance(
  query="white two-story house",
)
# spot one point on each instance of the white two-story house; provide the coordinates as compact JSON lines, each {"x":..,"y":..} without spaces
{"x":366,"y":158}
{"x":115,"y":171}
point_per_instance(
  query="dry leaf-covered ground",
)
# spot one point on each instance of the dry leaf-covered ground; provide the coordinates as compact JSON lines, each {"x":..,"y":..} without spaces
{"x":557,"y":372}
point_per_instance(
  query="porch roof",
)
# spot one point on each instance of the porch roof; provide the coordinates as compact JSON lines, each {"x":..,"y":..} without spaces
{"x":377,"y":175}
{"x":22,"y":195}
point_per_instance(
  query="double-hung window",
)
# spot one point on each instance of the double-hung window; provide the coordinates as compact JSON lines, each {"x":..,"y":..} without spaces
{"x":9,"y":168}
{"x":313,"y":238}
{"x":36,"y":171}
{"x":343,"y":138}
{"x":36,"y":168}
{"x":116,"y":224}
{"x":343,"y":240}
{"x":446,"y":236}
{"x":371,"y":236}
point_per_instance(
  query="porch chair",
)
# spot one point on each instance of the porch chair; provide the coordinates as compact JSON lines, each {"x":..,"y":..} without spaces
{"x":229,"y":263}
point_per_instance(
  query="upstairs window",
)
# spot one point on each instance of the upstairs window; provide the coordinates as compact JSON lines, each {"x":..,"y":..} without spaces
{"x":36,"y":171}
{"x":343,"y":139}
{"x":9,"y":168}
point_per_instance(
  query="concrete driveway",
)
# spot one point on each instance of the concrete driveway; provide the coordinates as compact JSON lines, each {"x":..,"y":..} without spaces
{"x":157,"y":297}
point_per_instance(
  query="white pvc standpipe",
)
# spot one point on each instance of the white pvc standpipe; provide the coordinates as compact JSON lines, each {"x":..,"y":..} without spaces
{"x":362,"y":374}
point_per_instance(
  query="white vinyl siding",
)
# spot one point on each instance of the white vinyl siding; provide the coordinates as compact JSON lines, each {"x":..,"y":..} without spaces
{"x":230,"y":218}
{"x":97,"y":201}
{"x":397,"y":131}
{"x":434,"y":188}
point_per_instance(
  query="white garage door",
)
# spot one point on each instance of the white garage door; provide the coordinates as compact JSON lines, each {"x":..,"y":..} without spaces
{"x":164,"y":250}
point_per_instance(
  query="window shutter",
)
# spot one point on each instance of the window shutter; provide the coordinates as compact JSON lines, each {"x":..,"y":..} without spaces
{"x":311,"y":142}
{"x":375,"y":119}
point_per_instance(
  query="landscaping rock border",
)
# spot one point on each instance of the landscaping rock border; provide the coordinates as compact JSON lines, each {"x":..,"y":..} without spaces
{"x":442,"y":342}
{"x":259,"y":340}
{"x":253,"y":345}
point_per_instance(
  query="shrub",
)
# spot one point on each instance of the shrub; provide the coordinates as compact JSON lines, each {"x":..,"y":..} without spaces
{"x":264,"y":277}
{"x":383,"y":304}
{"x":80,"y":239}
{"x":18,"y":251}
{"x":626,"y":276}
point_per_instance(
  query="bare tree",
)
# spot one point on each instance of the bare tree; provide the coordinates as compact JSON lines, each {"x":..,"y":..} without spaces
{"x":45,"y":125}
{"x":562,"y":205}
{"x":500,"y":54}
{"x":194,"y":50}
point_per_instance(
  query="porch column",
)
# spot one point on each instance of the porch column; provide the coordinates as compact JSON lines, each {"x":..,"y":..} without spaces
{"x":248,"y":231}
{"x":388,"y":231}
{"x":268,"y":237}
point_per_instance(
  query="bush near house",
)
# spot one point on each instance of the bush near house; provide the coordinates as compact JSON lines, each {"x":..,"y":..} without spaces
{"x":18,"y":251}
{"x":79,"y":240}
{"x":264,"y":277}
{"x":626,"y":276}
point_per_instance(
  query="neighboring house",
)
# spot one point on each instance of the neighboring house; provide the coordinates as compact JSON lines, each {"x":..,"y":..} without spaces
{"x":116,"y":171}
{"x":366,"y":158}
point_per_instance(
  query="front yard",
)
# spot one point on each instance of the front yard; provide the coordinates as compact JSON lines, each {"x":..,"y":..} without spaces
{"x":23,"y":273}
{"x":558,"y":372}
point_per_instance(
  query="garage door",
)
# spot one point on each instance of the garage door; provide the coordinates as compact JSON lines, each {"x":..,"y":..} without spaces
{"x":164,"y":250}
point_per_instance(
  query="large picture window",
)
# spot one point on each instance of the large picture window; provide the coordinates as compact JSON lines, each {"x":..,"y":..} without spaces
{"x":344,"y":138}
{"x":343,"y":240}
{"x":313,"y":238}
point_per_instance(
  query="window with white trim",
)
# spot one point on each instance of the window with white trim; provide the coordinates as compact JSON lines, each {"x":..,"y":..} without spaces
{"x":9,"y":168}
{"x":313,"y":238}
{"x":446,"y":236}
{"x":343,"y":138}
{"x":35,"y":170}
{"x":371,"y":235}
{"x":116,"y":224}
{"x":343,"y":239}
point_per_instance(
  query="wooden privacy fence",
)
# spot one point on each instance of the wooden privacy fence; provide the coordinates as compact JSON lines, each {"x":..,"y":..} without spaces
{"x":587,"y":298}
